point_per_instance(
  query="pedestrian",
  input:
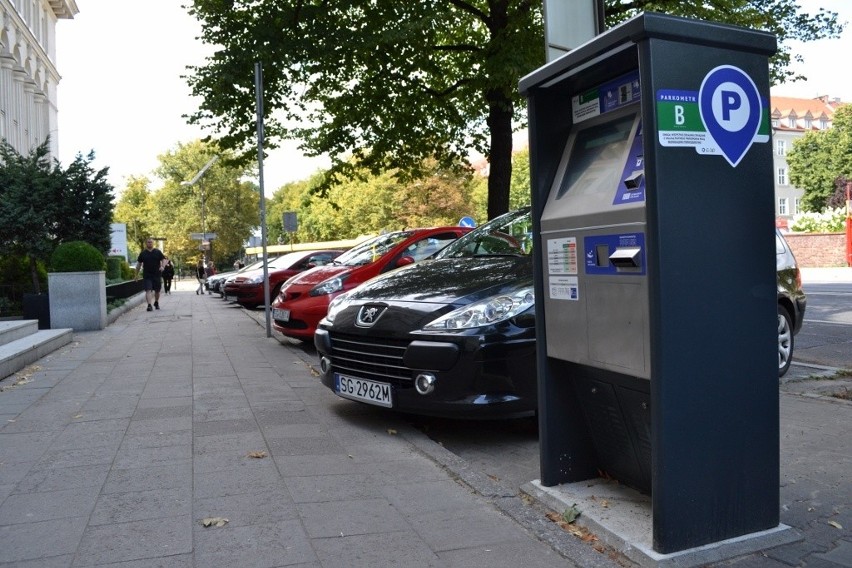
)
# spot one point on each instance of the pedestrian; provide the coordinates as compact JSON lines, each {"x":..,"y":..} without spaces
{"x":209,"y":271}
{"x":150,"y":262}
{"x":168,"y":275}
{"x":201,"y":276}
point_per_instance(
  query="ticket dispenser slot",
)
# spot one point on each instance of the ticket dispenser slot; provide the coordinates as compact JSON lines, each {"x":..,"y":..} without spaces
{"x":626,"y":258}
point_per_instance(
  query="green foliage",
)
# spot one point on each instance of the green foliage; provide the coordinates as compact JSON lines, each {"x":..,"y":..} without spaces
{"x":385,"y":85}
{"x":84,"y":204}
{"x":174,"y":211}
{"x":76,"y":256}
{"x":821,"y":161}
{"x":113,"y":270}
{"x":127,"y":272}
{"x":42,"y":205}
{"x":16,"y":273}
{"x":829,"y":221}
{"x":372,"y":203}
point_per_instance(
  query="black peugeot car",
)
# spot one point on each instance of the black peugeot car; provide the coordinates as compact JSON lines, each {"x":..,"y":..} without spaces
{"x":450,"y":336}
{"x":455,"y":335}
{"x":791,"y":301}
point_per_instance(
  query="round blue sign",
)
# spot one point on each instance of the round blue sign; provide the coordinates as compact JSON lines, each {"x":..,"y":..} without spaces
{"x":467,"y":222}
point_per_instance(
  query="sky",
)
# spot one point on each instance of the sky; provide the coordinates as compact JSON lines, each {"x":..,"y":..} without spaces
{"x":122,"y":96}
{"x":121,"y":92}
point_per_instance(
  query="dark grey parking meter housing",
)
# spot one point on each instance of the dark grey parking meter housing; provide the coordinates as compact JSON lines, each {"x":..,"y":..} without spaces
{"x":653,"y":212}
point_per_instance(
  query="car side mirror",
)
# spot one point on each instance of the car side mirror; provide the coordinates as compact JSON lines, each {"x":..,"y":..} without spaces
{"x":404,"y":261}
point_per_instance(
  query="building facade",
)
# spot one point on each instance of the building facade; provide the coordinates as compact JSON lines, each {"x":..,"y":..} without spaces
{"x":791,"y":119}
{"x":28,"y":74}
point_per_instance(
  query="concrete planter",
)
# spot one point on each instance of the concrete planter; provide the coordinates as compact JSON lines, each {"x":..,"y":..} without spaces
{"x":77,"y":300}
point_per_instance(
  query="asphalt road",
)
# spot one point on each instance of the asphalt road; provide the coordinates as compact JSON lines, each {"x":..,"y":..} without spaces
{"x":826,"y":335}
{"x":813,"y":418}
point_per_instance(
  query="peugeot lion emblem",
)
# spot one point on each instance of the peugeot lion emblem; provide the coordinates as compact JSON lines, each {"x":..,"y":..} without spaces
{"x":368,"y":315}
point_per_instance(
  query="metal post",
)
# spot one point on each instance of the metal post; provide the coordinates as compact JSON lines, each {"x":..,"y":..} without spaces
{"x":848,"y":223}
{"x":203,"y":226}
{"x":258,"y":90}
{"x":192,"y":182}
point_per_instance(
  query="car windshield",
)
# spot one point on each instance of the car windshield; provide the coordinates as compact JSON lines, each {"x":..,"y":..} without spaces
{"x":507,"y":235}
{"x":373,"y":249}
{"x":285,"y":261}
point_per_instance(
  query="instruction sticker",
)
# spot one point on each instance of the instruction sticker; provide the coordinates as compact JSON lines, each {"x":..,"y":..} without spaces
{"x":723,"y":118}
{"x":562,"y":263}
{"x":564,"y":288}
{"x":562,"y":256}
{"x":606,"y":97}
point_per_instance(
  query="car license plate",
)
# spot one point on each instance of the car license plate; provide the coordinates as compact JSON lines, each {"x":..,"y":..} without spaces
{"x":371,"y":392}
{"x":280,"y":315}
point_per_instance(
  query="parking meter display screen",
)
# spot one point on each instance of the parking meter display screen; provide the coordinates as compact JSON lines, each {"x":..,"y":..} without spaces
{"x":597,"y":157}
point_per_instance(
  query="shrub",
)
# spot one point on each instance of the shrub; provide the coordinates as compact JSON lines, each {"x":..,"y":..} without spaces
{"x":831,"y":221}
{"x":17,"y":276}
{"x":77,"y":256}
{"x":127,"y":272}
{"x":113,"y":271}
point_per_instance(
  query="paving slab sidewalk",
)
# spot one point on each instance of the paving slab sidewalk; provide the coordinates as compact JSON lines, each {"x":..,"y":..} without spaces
{"x":115,"y":449}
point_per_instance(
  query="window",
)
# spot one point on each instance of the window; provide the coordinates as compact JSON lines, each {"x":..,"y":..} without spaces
{"x":797,"y":206}
{"x":782,"y":206}
{"x":808,"y":123}
{"x":782,"y":176}
{"x":823,"y":124}
{"x":791,"y":122}
{"x":775,"y":122}
{"x":781,"y":147}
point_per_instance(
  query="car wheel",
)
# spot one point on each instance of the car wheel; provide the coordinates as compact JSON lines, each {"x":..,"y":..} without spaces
{"x":785,"y":340}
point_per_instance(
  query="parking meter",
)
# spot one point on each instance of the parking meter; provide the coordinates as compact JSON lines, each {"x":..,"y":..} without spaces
{"x":653,"y":210}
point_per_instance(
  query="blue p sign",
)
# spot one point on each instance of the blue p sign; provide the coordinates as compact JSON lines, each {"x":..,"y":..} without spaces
{"x":730,"y":109}
{"x":731,"y":100}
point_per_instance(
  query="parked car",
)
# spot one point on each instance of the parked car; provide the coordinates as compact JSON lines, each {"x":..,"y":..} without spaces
{"x":246,"y":288}
{"x":303,"y":300}
{"x":455,"y":336}
{"x":451,"y":336}
{"x":214,"y":283}
{"x":791,"y":301}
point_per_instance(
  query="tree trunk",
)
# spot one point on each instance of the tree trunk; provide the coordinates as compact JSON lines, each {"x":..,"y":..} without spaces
{"x":500,"y":155}
{"x":34,"y":274}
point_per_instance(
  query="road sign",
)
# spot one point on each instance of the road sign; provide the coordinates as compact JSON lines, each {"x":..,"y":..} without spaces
{"x":202,"y":236}
{"x":289,"y":221}
{"x":467,"y":222}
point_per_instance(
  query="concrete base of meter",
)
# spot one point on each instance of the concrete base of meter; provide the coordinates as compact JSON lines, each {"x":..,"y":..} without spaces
{"x":621,"y":518}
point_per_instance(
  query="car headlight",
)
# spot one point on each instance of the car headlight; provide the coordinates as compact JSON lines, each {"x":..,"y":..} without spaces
{"x":329,"y":286}
{"x":255,"y":279}
{"x":485,"y":312}
{"x":336,"y":306}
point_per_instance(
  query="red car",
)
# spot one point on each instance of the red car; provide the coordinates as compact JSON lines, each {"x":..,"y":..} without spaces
{"x":303,"y":300}
{"x":247,"y":287}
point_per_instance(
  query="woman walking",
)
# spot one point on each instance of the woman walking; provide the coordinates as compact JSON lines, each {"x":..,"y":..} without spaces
{"x":201,"y":276}
{"x":168,"y":275}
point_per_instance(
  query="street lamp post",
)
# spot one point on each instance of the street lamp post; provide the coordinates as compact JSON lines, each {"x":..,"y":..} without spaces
{"x":192,"y":182}
{"x":848,"y":223}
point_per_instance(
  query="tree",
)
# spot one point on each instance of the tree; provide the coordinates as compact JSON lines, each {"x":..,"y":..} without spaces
{"x":370,"y":204}
{"x":821,"y":161}
{"x":230,"y":205}
{"x":84,"y":205}
{"x":42,"y":205}
{"x":28,"y":186}
{"x":134,"y":209}
{"x":392,"y":83}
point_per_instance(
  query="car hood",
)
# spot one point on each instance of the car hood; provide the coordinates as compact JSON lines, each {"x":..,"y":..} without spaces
{"x":447,"y":281}
{"x":317,"y":274}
